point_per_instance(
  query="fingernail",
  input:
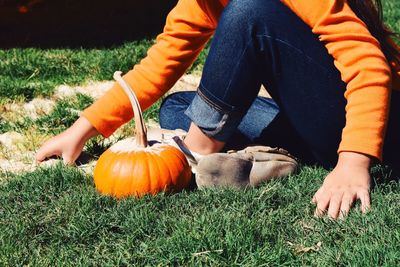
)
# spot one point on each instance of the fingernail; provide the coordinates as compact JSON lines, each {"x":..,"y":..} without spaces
{"x":317,"y":214}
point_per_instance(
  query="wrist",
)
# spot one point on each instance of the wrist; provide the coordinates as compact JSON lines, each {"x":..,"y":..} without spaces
{"x":83,"y":129}
{"x":355,"y":159}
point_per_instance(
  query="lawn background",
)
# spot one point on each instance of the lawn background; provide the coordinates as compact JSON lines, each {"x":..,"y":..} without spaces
{"x":53,"y":216}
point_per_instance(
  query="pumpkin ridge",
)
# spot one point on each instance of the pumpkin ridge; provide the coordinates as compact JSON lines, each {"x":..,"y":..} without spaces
{"x":144,"y":183}
{"x":171,"y":175}
{"x":165,"y":168}
{"x":153,"y":173}
{"x":181,"y":182}
{"x":149,"y":172}
{"x":110,"y":176}
{"x":104,"y":173}
{"x":123,"y":181}
{"x":172,"y":167}
{"x":133,"y":185}
{"x":180,"y":156}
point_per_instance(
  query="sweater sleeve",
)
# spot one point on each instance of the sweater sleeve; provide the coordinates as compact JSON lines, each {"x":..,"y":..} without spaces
{"x":363,"y":67}
{"x":187,"y":30}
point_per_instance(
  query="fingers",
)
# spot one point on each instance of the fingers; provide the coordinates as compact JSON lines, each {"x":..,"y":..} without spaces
{"x":54,"y":150}
{"x":322,"y":201}
{"x":347,"y":202}
{"x":338,"y":204}
{"x":317,"y":196}
{"x":365,"y":200}
{"x":68,"y":160}
{"x":341,"y":187}
{"x":330,"y":203}
{"x":334,"y":205}
{"x":45,"y":153}
{"x":42,"y":156}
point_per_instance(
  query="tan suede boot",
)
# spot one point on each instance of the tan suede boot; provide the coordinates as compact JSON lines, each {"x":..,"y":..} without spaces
{"x":248,"y":167}
{"x":238,"y":169}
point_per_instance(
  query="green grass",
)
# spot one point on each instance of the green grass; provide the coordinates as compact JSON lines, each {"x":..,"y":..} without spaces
{"x":28,"y":73}
{"x":54,"y":217}
{"x":391,"y":14}
{"x":17,"y":126}
{"x":5,"y":126}
{"x":35,"y":72}
{"x":64,"y":114}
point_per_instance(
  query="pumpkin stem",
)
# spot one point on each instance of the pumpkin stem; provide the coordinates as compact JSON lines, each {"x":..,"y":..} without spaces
{"x":141,"y":131}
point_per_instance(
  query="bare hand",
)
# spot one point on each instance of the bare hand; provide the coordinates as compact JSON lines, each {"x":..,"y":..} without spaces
{"x":68,"y":144}
{"x":349,"y":180}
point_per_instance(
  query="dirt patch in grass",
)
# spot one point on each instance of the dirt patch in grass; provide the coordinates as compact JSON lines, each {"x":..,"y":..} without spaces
{"x":29,"y":128}
{"x":93,"y":89}
{"x":30,"y":124}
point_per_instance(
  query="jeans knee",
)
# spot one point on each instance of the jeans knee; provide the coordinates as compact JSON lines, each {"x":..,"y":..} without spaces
{"x":172,"y":109}
{"x":254,"y":14}
{"x":239,"y":14}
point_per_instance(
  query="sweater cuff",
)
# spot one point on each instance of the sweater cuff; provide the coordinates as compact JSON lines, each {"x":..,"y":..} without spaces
{"x":96,"y":123}
{"x":363,"y":148}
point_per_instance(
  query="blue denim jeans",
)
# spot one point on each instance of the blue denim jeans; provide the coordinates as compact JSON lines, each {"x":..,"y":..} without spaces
{"x":264,"y":42}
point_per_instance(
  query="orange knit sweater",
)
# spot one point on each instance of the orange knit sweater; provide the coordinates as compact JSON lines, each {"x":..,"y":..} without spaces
{"x":190,"y":25}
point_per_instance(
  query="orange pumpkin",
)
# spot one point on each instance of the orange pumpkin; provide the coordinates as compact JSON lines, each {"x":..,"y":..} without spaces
{"x":133,"y":168}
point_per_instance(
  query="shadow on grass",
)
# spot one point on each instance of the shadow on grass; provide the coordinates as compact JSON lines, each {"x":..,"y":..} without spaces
{"x":383,"y":174}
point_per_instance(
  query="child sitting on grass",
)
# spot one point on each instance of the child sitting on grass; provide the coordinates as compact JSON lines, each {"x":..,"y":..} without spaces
{"x":330,"y":67}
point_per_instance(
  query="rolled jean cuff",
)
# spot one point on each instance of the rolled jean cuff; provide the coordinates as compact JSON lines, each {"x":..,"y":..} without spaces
{"x":212,"y":120}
